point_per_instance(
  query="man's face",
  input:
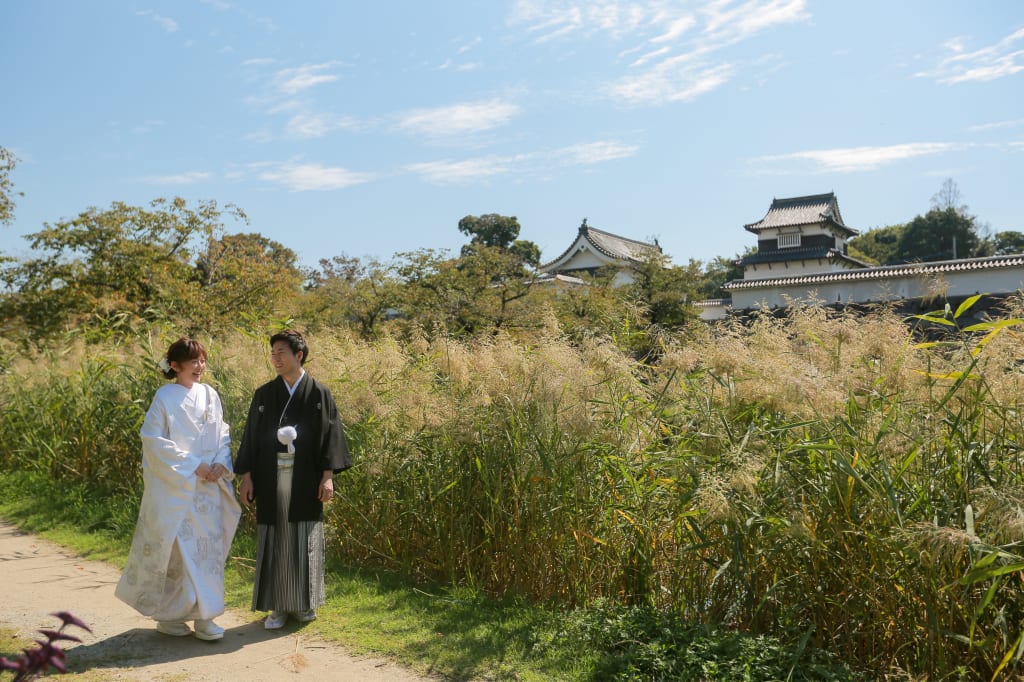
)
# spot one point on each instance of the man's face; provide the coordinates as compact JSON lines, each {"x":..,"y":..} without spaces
{"x":285,"y":362}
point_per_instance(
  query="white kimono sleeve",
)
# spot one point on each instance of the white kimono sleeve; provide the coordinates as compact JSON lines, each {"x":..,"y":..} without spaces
{"x":161,"y":455}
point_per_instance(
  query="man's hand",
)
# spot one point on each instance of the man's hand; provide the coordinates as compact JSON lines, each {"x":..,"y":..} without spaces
{"x":245,"y":491}
{"x":326,"y":491}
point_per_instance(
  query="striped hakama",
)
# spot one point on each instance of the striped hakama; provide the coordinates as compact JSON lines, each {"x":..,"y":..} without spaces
{"x":289,"y":556}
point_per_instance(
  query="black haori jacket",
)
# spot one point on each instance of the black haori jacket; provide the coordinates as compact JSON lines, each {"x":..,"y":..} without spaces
{"x":320,"y":445}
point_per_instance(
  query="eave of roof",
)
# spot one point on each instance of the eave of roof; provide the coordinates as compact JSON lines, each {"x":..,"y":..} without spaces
{"x":801,"y":254}
{"x":799,"y":211}
{"x":883,"y":272}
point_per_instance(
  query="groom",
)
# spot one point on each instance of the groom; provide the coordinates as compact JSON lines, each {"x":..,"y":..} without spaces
{"x":292,"y":446}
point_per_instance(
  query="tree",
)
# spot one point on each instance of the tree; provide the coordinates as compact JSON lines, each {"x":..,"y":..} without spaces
{"x":243,"y":274}
{"x":666,"y":290}
{"x":7,"y":163}
{"x":491,"y":229}
{"x":122,"y":261}
{"x":349,"y":291}
{"x":879,"y":246}
{"x":941,"y":234}
{"x":501,"y":232}
{"x":483,"y":290}
{"x":721,"y":270}
{"x":948,"y":197}
{"x":1007,"y":243}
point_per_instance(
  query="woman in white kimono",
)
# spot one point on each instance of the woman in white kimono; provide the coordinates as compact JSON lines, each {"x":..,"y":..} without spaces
{"x":189,"y":513}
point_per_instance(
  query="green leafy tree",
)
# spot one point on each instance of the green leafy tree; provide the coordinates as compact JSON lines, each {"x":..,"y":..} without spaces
{"x":483,"y":290}
{"x":719,"y":271}
{"x":879,"y":246}
{"x":666,"y":290}
{"x":501,"y":232}
{"x":346,"y":290}
{"x":592,"y":309}
{"x":121,"y":261}
{"x":941,"y":234}
{"x":243,"y":274}
{"x":1007,"y":243}
{"x":7,"y":163}
{"x":491,"y":229}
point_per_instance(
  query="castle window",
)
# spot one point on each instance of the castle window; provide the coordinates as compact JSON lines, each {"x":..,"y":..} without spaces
{"x":789,"y":240}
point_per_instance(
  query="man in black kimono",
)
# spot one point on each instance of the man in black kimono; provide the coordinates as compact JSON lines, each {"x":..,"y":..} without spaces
{"x":292,"y":446}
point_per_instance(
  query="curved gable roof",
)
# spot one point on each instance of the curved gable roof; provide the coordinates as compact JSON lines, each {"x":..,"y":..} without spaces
{"x":610,"y":245}
{"x":807,"y":210}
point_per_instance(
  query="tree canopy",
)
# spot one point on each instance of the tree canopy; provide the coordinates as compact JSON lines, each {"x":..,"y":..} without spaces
{"x":879,"y":246}
{"x":170,"y":261}
{"x":941,"y":234}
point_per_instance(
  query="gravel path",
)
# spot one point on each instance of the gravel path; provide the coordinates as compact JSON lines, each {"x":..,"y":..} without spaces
{"x":39,"y":578}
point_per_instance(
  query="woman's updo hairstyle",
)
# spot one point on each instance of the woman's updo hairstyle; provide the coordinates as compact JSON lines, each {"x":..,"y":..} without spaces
{"x":182,"y":350}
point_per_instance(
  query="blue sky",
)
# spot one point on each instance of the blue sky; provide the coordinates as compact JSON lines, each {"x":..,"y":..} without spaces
{"x":371,"y":128}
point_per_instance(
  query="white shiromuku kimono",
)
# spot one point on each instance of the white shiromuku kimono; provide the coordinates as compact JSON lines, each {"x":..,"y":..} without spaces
{"x":175,"y":569}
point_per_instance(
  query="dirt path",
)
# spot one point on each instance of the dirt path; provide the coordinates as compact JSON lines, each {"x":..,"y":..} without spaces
{"x":39,"y":578}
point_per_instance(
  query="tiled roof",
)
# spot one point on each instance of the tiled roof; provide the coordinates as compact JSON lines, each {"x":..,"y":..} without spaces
{"x":808,"y":210}
{"x":620,"y":247}
{"x":884,"y":272}
{"x":611,"y":245}
{"x":806,"y":253}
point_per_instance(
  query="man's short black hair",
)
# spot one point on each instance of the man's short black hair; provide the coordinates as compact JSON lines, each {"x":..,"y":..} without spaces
{"x":294,"y":340}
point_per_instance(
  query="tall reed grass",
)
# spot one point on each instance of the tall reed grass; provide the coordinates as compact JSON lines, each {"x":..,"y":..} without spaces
{"x":824,"y":477}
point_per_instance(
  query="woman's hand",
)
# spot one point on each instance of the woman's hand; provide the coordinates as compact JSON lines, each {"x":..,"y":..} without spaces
{"x":203,"y":471}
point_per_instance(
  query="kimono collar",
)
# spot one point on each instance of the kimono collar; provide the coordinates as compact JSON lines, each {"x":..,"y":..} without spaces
{"x":291,"y":389}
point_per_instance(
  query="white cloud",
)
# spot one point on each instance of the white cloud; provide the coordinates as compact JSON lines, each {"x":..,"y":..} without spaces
{"x":259,"y":61}
{"x":283,"y":107}
{"x":461,"y":172}
{"x":678,"y":42}
{"x":305,"y":177}
{"x":1015,"y":123}
{"x":308,"y":125}
{"x":643,"y":59}
{"x":167,"y":24}
{"x":853,"y":159}
{"x":188,"y":178}
{"x":729,"y":25}
{"x":534,"y":164}
{"x":673,"y":80}
{"x":595,"y":152}
{"x":470,"y":45}
{"x":291,"y":81}
{"x":1005,"y":58}
{"x":458,"y":119}
{"x":676,"y":29}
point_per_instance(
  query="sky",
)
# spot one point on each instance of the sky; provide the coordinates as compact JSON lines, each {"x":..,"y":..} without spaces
{"x":368,"y":129}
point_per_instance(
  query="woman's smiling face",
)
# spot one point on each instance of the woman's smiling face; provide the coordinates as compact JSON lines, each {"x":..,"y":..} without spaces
{"x":189,"y":372}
